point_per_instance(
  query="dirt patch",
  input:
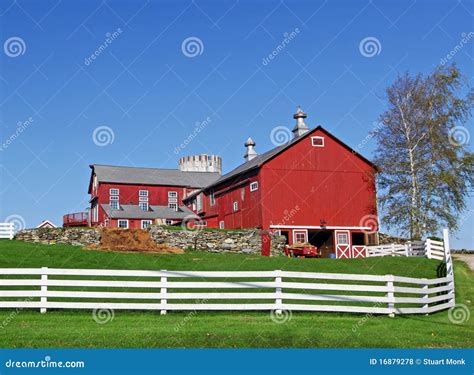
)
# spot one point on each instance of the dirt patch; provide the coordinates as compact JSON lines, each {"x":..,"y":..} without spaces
{"x":133,"y":241}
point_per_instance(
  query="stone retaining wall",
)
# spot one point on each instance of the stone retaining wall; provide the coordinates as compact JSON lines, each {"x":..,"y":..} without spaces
{"x":247,"y":241}
{"x":70,"y":236}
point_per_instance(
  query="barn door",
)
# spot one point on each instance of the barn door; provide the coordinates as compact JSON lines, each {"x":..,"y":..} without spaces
{"x":343,"y":244}
{"x":359,"y":251}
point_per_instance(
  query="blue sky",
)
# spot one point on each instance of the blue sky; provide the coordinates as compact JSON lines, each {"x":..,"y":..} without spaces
{"x":149,"y":90}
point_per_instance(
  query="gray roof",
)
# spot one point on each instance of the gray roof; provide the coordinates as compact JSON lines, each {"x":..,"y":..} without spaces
{"x":132,"y":211}
{"x":153,"y":176}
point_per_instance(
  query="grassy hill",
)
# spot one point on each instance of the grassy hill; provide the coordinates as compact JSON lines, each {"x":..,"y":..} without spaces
{"x":24,"y":328}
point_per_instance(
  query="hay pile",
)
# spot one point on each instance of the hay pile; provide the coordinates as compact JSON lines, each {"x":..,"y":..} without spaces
{"x":132,"y":240}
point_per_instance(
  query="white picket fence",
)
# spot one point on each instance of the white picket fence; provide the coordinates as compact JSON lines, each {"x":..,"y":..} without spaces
{"x":7,"y":230}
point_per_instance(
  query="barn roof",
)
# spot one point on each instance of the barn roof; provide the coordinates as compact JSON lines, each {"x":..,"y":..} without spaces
{"x":132,"y":211}
{"x":259,"y":160}
{"x":153,"y":176}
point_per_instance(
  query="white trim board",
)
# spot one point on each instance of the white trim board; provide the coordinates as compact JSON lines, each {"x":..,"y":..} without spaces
{"x":315,"y":227}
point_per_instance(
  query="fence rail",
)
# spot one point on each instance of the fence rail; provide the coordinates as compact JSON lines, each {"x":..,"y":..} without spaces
{"x":430,"y":248}
{"x":52,"y":288}
{"x":7,"y":230}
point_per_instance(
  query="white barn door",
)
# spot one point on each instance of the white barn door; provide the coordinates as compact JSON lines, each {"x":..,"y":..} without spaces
{"x":343,"y":244}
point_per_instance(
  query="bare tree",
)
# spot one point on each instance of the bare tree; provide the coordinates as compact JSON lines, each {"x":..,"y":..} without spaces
{"x":426,"y":168}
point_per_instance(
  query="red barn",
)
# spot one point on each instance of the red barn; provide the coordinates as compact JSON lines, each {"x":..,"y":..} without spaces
{"x":313,"y":188}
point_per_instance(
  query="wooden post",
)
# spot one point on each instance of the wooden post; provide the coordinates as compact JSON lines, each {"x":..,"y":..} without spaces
{"x":44,"y":288}
{"x":426,"y":296}
{"x":12,"y":231}
{"x":391,"y":296}
{"x":428,"y":248}
{"x":393,"y":250}
{"x":163,"y":290}
{"x":449,"y":265}
{"x":278,"y":292}
{"x":407,"y":253}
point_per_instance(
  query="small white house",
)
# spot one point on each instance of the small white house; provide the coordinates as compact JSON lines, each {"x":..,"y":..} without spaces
{"x":46,"y":224}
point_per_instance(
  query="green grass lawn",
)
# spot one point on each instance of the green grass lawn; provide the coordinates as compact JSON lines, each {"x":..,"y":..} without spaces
{"x":28,"y":328}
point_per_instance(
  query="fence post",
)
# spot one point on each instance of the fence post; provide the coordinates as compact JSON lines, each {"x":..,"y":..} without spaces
{"x":449,"y":265}
{"x":425,"y":297}
{"x":428,"y":248}
{"x":278,"y":292}
{"x":12,"y":231}
{"x":407,"y":254}
{"x":44,"y":288}
{"x":163,"y":291}
{"x":391,"y":295}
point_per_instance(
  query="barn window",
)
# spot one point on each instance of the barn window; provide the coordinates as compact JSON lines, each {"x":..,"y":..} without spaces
{"x":236,"y":206}
{"x":114,"y":191}
{"x":343,"y":238}
{"x":300,"y":236}
{"x":212,"y":199}
{"x":168,"y":222}
{"x":254,"y":186}
{"x":146,"y":224}
{"x":114,"y":202}
{"x":143,"y":206}
{"x":317,"y":141}
{"x":143,"y":193}
{"x":123,"y":224}
{"x":221,"y":224}
{"x":172,"y":194}
{"x":173,"y":206}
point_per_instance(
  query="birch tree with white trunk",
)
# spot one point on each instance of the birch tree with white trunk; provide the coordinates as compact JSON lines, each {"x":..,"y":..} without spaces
{"x":425,"y":171}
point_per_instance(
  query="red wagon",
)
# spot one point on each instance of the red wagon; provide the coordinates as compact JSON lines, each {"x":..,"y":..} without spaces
{"x":302,"y":250}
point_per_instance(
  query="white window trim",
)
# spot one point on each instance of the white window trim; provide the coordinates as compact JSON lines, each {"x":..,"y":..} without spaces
{"x":344,"y":232}
{"x":149,"y":222}
{"x":316,"y":137}
{"x":117,"y":193}
{"x":143,"y":199}
{"x":114,"y":198}
{"x":221,"y":224}
{"x":254,"y":186}
{"x":172,"y":194}
{"x":212,"y":199}
{"x":304,"y":231}
{"x":122,"y":220}
{"x":235,"y":206}
{"x":168,"y":222}
{"x":143,"y":193}
{"x":172,"y":200}
{"x":142,"y":203}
